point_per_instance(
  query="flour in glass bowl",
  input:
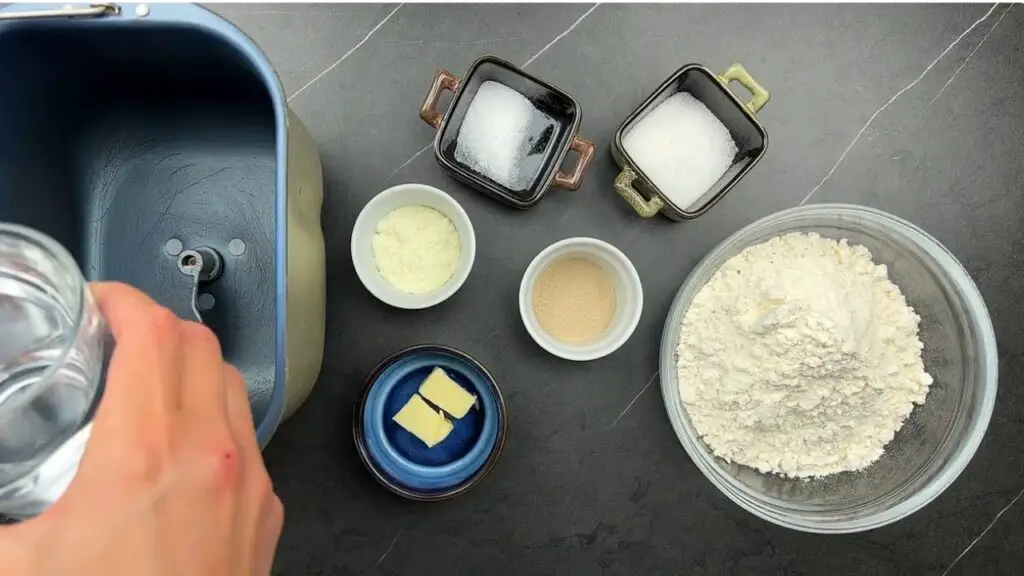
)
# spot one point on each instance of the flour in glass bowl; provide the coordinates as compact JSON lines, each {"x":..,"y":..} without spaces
{"x":800,"y":357}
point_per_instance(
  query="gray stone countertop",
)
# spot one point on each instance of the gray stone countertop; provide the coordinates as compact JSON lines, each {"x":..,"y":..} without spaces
{"x":913,"y":109}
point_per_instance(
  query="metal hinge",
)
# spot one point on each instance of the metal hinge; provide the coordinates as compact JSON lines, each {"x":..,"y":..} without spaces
{"x":91,"y":11}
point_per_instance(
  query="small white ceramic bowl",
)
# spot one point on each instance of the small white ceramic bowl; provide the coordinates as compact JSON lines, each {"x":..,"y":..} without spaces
{"x":366,"y":225}
{"x":629,"y":297}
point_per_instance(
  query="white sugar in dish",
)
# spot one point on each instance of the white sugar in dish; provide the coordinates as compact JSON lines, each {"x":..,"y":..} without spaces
{"x":682,"y":147}
{"x":493,"y":138}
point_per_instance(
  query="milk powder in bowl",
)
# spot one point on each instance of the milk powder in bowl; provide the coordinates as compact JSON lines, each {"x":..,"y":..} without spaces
{"x":413,"y":246}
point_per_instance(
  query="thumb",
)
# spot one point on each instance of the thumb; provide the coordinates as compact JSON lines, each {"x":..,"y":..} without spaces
{"x":18,"y":544}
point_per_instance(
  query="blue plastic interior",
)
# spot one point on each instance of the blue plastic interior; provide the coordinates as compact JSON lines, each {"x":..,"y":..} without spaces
{"x":116,"y":138}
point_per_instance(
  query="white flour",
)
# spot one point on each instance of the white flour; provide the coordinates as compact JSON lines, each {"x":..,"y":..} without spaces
{"x":800,"y":357}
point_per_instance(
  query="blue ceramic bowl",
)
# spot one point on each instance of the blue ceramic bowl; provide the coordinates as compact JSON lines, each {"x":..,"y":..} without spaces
{"x":403,"y":463}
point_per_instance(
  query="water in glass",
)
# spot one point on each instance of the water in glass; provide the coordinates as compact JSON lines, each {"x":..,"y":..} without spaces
{"x":52,"y":344}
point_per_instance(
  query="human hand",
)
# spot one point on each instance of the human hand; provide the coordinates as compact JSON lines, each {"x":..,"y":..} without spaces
{"x":172,"y":481}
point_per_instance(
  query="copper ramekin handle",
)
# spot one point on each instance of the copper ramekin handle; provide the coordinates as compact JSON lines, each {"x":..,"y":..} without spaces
{"x":585,"y":149}
{"x":444,"y":80}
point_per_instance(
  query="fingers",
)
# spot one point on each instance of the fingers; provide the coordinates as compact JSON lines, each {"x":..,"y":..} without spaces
{"x":144,"y":373}
{"x":269,"y":517}
{"x":122,"y":307}
{"x":170,"y":403}
{"x":268,"y":536}
{"x":239,"y":413}
{"x":183,"y":357}
{"x":19,"y":541}
{"x":203,"y":394}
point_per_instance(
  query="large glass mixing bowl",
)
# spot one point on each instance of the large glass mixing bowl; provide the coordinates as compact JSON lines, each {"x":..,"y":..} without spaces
{"x":939,"y":438}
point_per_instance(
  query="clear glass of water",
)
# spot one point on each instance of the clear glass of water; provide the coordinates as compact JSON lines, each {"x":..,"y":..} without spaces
{"x":52,"y":354}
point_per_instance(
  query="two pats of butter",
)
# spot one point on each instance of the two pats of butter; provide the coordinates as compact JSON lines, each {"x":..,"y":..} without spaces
{"x":428,"y":423}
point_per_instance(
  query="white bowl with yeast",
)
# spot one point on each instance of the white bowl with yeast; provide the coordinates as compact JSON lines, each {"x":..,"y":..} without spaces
{"x":366,"y":226}
{"x":629,"y":298}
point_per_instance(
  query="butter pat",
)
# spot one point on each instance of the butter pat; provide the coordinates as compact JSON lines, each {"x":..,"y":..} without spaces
{"x":423,"y":422}
{"x":446,"y":394}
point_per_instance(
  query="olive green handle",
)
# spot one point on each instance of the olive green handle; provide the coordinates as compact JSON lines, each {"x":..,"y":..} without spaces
{"x":759,"y":96}
{"x":643,"y":208}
